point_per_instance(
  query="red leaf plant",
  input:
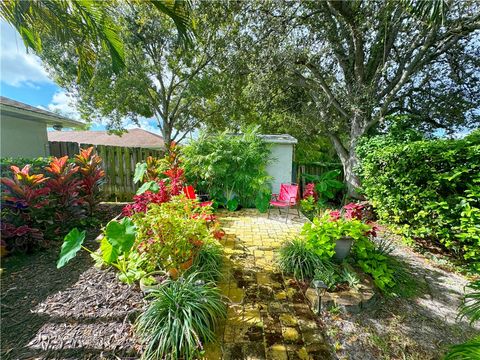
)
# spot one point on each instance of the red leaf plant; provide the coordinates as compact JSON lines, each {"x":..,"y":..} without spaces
{"x":310,"y":191}
{"x":64,"y":189}
{"x":354,"y":211}
{"x":140,"y":202}
{"x":92,"y":176}
{"x":23,"y":203}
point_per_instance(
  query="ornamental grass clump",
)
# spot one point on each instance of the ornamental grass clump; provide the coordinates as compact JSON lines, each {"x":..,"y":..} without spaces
{"x":296,"y":257}
{"x":180,"y":319}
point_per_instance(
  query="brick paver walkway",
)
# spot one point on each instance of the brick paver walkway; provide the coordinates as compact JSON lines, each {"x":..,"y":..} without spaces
{"x":267,"y":315}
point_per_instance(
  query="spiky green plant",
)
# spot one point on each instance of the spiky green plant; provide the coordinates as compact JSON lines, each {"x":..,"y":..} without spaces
{"x":350,"y":277}
{"x":465,"y":351}
{"x":180,"y":319}
{"x":208,"y":262}
{"x":470,"y":307}
{"x":296,"y":258}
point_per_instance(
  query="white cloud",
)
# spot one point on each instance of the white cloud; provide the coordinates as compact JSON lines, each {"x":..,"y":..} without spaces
{"x":17,"y":67}
{"x":145,"y":124}
{"x":63,"y":104}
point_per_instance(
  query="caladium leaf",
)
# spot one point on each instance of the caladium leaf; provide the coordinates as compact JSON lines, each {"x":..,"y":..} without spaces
{"x":150,"y":185}
{"x":71,"y":244}
{"x":121,"y":235}
{"x":140,"y":170}
{"x":109,"y":253}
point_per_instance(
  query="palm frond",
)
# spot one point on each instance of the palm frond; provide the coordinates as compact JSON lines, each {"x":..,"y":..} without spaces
{"x":470,"y":307}
{"x":432,"y":12}
{"x":88,"y":24}
{"x":465,"y":351}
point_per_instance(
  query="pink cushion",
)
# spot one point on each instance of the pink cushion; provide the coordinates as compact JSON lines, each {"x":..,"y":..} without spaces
{"x":279,"y":203}
{"x":288,"y":191}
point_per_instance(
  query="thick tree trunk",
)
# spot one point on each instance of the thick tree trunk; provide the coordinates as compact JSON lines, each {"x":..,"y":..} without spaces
{"x":167,"y":135}
{"x":349,"y":160}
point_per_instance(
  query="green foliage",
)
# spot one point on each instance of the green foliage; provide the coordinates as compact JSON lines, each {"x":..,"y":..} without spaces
{"x":140,"y":170}
{"x":322,"y":234}
{"x":232,"y":204}
{"x":71,"y":244}
{"x":465,"y":351}
{"x":208,"y":262}
{"x":326,"y":185}
{"x":171,"y":234}
{"x":37,"y":165}
{"x":429,"y":189}
{"x":327,"y":273}
{"x":470,"y":307}
{"x":148,"y":186}
{"x":296,"y":257}
{"x":121,"y":235}
{"x":228,"y":166}
{"x":180,"y":319}
{"x":350,"y":277}
{"x":262,"y":201}
{"x":374,"y":263}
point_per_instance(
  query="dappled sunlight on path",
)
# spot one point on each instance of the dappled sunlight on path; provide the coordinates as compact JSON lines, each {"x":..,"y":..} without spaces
{"x":267,"y":314}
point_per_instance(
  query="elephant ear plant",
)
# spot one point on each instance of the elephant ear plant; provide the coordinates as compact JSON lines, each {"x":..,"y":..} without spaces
{"x":115,"y":248}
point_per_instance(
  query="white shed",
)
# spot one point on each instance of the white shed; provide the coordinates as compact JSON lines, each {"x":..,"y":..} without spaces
{"x":281,"y":158}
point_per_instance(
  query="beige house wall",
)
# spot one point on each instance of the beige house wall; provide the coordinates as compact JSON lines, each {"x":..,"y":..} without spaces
{"x":22,"y":138}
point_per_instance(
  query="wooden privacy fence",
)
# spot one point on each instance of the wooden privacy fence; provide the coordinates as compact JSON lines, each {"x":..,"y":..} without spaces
{"x":118,"y":162}
{"x":314,"y":169}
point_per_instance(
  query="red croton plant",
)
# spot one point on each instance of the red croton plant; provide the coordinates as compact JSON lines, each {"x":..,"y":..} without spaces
{"x":34,"y":204}
{"x":169,"y":178}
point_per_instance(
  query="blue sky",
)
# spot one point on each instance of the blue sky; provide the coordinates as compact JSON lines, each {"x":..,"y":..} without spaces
{"x":24,"y":79}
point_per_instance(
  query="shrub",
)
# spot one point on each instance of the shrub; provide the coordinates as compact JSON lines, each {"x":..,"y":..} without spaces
{"x":51,"y":198}
{"x":428,"y":188}
{"x":327,"y":274}
{"x":297,"y":258}
{"x":172,"y":233}
{"x":180,"y":319}
{"x":228,"y":166}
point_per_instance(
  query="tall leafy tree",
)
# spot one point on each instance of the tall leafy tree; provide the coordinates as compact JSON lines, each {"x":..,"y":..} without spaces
{"x":162,"y":79}
{"x":346,"y":66}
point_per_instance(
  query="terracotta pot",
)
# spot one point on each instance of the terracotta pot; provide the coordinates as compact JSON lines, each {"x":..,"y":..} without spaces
{"x":173,"y":273}
{"x":342,"y":248}
{"x":187,"y":264}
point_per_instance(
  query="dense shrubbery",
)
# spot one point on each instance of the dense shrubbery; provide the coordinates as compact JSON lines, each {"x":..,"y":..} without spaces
{"x":48,"y":198}
{"x":429,"y":188}
{"x":231,"y":168}
{"x":166,"y":242}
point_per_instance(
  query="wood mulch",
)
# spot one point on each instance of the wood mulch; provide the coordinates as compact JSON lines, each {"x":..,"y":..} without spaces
{"x":77,"y":312}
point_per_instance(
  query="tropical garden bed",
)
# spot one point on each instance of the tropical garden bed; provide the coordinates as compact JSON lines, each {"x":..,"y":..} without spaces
{"x":161,"y":261}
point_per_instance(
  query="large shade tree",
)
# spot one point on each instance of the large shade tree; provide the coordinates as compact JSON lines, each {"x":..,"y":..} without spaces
{"x":342,"y":67}
{"x":162,"y":79}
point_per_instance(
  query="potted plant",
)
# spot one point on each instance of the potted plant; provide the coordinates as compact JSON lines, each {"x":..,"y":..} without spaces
{"x":332,"y":235}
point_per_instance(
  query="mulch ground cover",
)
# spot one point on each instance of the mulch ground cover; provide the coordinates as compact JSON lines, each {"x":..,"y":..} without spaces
{"x":77,"y":312}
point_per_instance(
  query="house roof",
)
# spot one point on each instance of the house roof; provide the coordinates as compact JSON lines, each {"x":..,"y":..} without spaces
{"x":21,"y":110}
{"x":132,"y":138}
{"x":279,"y":139}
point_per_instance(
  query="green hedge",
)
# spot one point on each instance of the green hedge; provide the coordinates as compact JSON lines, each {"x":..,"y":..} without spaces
{"x":37,"y":164}
{"x":430,"y":188}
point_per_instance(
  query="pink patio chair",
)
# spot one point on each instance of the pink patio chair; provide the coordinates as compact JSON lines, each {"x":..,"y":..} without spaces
{"x":287,"y":198}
